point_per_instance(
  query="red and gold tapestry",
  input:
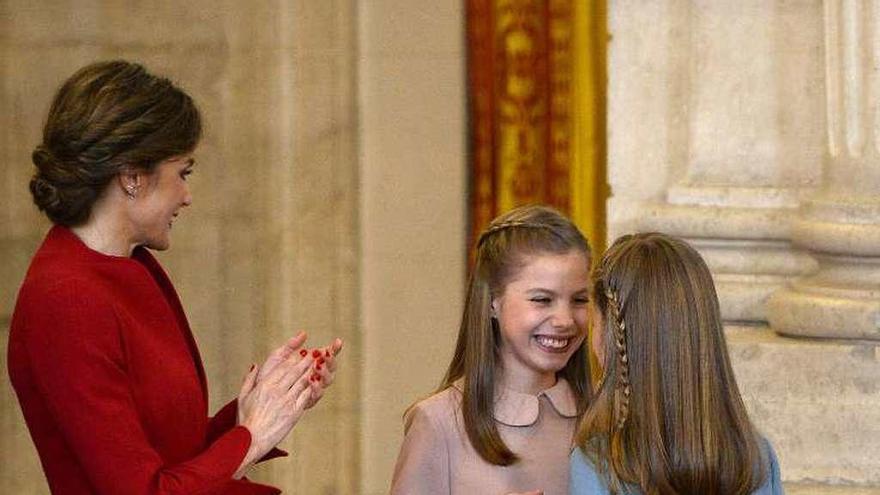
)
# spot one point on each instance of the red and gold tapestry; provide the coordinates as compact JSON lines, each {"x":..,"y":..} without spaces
{"x":536,"y":80}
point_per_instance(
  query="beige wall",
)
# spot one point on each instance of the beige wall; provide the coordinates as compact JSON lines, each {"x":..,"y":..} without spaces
{"x":412,"y":171}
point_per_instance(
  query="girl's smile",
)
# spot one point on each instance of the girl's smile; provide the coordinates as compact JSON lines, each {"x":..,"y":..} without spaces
{"x":542,"y":315}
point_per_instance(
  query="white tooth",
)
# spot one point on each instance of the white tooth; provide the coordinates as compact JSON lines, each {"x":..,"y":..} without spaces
{"x":552,"y":342}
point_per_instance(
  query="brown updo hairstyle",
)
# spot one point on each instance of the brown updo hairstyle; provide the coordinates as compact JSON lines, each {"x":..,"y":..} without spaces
{"x":108,"y":117}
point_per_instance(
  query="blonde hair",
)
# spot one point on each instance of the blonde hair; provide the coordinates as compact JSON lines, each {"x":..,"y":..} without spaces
{"x":667,"y":415}
{"x":500,"y":253}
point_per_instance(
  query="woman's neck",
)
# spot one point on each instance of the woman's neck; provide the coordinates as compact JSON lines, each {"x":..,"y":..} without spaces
{"x":105,"y":230}
{"x":102,"y":239}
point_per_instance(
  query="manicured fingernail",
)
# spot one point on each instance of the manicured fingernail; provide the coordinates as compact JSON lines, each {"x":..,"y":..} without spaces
{"x":318,"y":367}
{"x":316,"y":377}
{"x":316,"y":353}
{"x":320,"y":360}
{"x":303,"y":352}
{"x":327,"y":353}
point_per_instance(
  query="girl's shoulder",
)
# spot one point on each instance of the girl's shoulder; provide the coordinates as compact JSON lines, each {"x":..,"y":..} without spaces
{"x":439,"y":408}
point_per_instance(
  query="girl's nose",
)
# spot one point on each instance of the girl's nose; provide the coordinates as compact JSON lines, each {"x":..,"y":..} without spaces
{"x":563,"y":317}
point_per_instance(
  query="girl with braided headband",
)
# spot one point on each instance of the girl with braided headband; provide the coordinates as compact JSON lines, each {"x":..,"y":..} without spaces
{"x":667,"y":417}
{"x":504,"y":417}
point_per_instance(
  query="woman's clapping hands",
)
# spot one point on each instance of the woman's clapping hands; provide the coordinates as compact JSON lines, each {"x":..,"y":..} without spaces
{"x":275,"y":396}
{"x":323,"y":368}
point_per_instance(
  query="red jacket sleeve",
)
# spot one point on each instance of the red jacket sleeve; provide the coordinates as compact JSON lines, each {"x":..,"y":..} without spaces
{"x":79,"y":369}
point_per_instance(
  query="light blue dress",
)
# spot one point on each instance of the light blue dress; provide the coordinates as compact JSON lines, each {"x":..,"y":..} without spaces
{"x":586,"y":481}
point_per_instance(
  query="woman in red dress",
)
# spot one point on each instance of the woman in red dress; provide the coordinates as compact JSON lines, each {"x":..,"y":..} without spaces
{"x":101,"y":356}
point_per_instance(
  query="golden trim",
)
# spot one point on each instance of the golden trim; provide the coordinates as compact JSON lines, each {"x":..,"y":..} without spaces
{"x":588,"y":168}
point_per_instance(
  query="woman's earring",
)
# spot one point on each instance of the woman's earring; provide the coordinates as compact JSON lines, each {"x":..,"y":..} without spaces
{"x":130,"y":191}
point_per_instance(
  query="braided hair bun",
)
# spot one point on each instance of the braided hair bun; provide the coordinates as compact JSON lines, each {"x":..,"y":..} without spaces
{"x":106,"y":117}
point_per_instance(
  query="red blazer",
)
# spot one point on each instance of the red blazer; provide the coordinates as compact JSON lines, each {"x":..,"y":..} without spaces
{"x":110,"y":380}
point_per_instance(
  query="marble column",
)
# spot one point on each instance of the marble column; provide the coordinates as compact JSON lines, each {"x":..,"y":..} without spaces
{"x":840,"y":223}
{"x":743,"y":104}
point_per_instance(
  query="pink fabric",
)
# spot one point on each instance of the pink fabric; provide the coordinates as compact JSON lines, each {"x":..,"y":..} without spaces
{"x":437,"y":458}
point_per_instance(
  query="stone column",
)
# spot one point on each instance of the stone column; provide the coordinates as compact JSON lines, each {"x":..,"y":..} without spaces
{"x":743,"y":108}
{"x":703,"y":119}
{"x":411,"y":215}
{"x":840,"y":223}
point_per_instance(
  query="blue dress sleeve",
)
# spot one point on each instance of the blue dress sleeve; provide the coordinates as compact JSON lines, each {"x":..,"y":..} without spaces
{"x":583,"y":478}
{"x":774,"y":474}
{"x":773,"y":484}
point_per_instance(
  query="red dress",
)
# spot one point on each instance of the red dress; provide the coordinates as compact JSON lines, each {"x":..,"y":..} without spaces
{"x":110,"y":380}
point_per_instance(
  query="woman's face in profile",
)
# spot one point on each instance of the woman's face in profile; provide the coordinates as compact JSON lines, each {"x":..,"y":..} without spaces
{"x":157,"y":205}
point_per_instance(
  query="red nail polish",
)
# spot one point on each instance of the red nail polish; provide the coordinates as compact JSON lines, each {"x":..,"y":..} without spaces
{"x":303,"y":352}
{"x":327,"y":353}
{"x":316,"y":377}
{"x":318,"y":367}
{"x":316,"y":353}
{"x":320,"y":360}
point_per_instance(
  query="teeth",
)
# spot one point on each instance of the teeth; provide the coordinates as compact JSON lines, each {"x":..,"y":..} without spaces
{"x":552,"y":342}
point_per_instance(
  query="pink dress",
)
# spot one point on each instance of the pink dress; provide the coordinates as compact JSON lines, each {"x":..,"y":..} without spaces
{"x":437,"y":458}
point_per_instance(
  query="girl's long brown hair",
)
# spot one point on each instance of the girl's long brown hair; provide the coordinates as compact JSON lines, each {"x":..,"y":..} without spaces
{"x":500,"y":254}
{"x":667,"y":415}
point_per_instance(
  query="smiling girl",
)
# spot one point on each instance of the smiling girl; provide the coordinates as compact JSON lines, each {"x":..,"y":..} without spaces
{"x":504,"y":417}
